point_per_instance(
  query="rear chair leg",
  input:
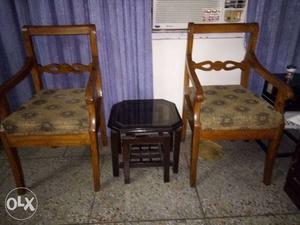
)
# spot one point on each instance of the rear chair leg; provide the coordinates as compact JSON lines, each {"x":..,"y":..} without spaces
{"x":271,"y":156}
{"x":14,"y":161}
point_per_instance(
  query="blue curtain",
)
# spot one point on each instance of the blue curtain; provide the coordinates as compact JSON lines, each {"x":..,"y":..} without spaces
{"x":279,"y":39}
{"x":124,"y":43}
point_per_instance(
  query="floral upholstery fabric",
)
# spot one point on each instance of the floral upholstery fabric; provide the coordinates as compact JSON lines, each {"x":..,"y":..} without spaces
{"x":231,"y":107}
{"x":59,"y":111}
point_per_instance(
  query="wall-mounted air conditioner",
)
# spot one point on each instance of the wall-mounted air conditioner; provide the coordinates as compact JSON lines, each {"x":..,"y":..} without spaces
{"x":176,"y":14}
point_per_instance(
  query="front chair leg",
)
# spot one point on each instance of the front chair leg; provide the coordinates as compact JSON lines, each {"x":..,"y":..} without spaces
{"x":194,"y":156}
{"x":95,"y":161}
{"x":271,"y":156}
{"x":14,"y":161}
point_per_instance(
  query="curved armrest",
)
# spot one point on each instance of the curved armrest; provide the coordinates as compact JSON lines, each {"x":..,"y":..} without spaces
{"x":17,"y":77}
{"x":193,"y":77}
{"x":284,"y":91}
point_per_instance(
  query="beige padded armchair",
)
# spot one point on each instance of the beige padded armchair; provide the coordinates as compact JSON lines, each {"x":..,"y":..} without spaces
{"x":231,"y":112}
{"x":54,"y":117}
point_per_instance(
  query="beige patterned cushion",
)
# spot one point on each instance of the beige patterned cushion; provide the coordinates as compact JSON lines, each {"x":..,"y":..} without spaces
{"x":59,"y":111}
{"x":233,"y":107}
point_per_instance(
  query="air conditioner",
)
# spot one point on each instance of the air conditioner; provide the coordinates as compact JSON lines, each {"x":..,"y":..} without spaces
{"x":176,"y":14}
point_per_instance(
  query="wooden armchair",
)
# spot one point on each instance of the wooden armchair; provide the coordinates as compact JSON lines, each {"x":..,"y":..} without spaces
{"x":54,"y":117}
{"x":231,"y":112}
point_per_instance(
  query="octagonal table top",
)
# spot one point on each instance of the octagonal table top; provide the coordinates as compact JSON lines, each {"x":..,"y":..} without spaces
{"x":144,"y":116}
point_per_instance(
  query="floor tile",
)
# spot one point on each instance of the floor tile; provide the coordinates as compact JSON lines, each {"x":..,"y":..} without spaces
{"x":147,"y":197}
{"x":34,"y":153}
{"x":233,"y":186}
{"x":259,"y":220}
{"x":293,"y":219}
{"x":169,"y":222}
{"x":230,"y":190}
{"x":197,"y":222}
{"x":3,"y":170}
{"x":1,"y":151}
{"x":64,"y":190}
{"x":77,"y":152}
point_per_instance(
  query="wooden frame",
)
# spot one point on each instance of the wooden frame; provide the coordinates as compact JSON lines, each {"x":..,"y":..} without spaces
{"x":192,"y":104}
{"x":93,"y":97}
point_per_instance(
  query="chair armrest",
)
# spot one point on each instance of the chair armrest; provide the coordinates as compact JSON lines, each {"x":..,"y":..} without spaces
{"x":193,"y":77}
{"x":284,"y":91}
{"x":17,"y":77}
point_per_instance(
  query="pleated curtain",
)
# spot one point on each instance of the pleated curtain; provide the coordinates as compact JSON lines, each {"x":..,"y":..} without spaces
{"x":124,"y":43}
{"x":279,"y":40}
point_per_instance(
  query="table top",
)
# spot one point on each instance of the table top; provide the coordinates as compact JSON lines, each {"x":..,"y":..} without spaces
{"x":151,"y":115}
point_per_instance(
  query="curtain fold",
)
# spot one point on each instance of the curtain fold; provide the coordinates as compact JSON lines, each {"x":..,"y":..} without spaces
{"x":278,"y":42}
{"x":124,"y":43}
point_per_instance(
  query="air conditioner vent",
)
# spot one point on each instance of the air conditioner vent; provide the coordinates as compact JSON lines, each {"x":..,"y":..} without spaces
{"x":178,"y":11}
{"x":235,"y":4}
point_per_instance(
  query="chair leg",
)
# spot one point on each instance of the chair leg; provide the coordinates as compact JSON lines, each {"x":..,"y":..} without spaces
{"x":194,"y":156}
{"x":14,"y":161}
{"x":176,"y":150}
{"x":271,"y":156}
{"x":115,"y":149}
{"x":184,"y":122}
{"x":95,"y":161}
{"x":126,"y":159}
{"x":166,"y":158}
{"x":103,"y":126}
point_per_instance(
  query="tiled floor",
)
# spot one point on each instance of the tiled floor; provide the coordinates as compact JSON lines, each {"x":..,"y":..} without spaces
{"x":229,"y":191}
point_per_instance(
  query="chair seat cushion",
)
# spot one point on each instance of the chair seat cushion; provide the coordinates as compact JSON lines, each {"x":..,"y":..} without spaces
{"x":232,"y":107}
{"x":59,"y":111}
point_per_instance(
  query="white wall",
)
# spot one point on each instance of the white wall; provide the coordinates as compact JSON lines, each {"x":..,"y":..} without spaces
{"x":169,"y":59}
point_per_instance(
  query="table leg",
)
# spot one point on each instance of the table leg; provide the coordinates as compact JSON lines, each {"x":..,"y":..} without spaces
{"x":115,"y":146}
{"x":176,"y":149}
{"x":166,"y":149}
{"x":126,"y":158}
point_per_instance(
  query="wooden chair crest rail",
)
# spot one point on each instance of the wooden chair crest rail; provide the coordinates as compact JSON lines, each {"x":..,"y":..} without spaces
{"x":54,"y":117}
{"x":231,"y":112}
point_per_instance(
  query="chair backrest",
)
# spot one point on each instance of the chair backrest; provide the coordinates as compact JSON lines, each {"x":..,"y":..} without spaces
{"x":30,"y":31}
{"x":250,"y":28}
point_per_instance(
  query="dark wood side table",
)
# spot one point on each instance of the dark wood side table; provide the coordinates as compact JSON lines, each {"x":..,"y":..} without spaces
{"x":269,"y":94}
{"x":145,"y":132}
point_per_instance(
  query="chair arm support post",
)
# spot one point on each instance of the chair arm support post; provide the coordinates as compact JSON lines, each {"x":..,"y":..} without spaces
{"x":98,"y":76}
{"x":193,"y":77}
{"x":92,"y":116}
{"x":284,"y":91}
{"x":17,"y":77}
{"x":91,"y":101}
{"x":90,"y":88}
{"x":196,"y":112}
